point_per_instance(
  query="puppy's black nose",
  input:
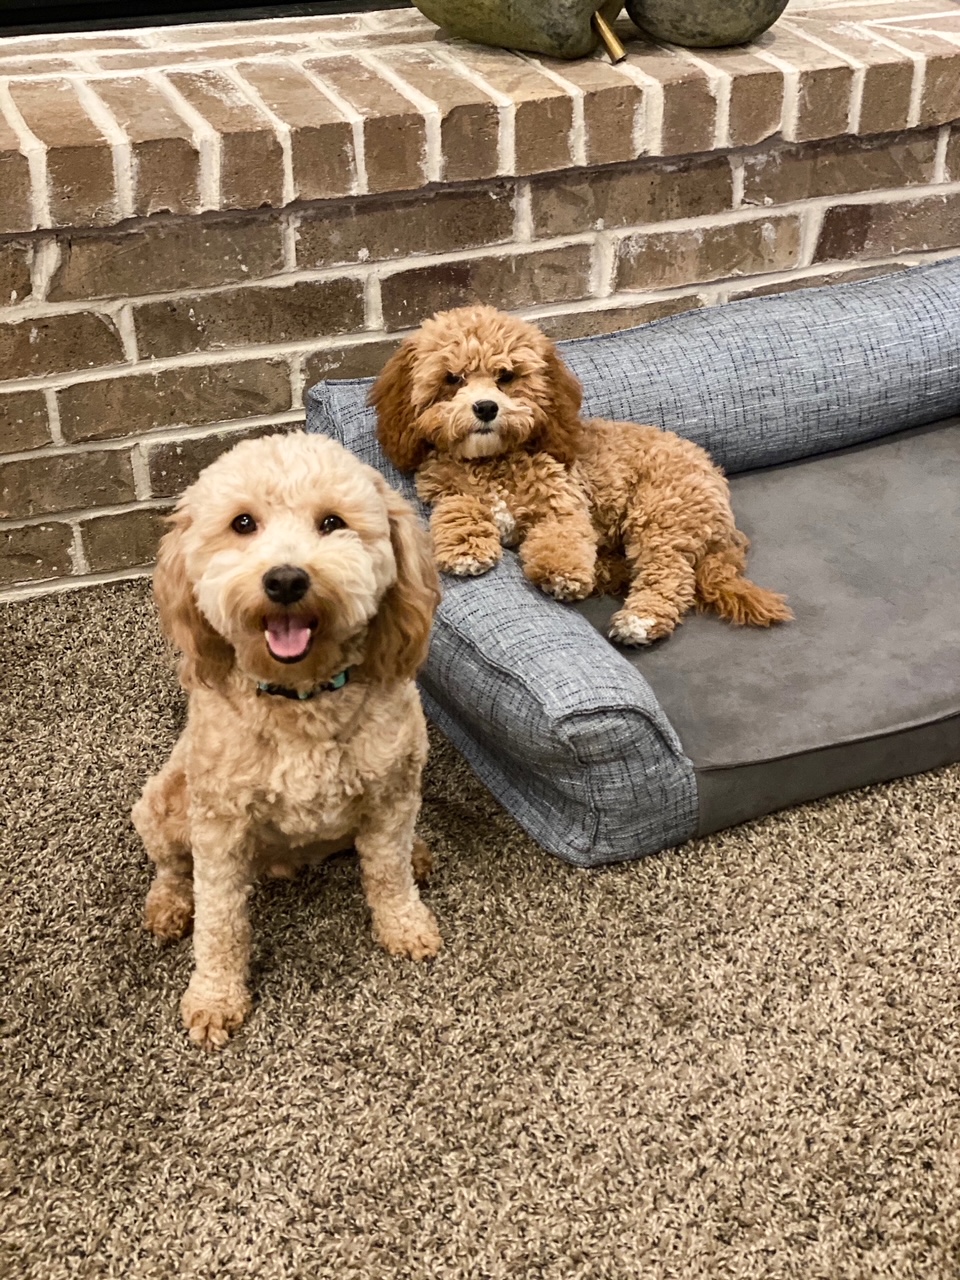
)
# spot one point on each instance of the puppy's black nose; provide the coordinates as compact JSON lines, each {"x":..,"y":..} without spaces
{"x":286,"y":584}
{"x":486,"y":410}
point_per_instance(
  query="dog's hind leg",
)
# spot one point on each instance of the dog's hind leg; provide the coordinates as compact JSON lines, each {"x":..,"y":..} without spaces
{"x":161,"y":819}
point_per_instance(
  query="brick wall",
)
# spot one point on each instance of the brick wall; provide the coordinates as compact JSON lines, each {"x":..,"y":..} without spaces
{"x":197,"y":223}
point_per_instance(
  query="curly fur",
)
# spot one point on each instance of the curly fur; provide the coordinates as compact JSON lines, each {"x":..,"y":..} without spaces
{"x":480,"y":404}
{"x":263,"y":783}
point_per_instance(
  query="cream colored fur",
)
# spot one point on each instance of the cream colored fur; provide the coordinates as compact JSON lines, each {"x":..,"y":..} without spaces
{"x":481,"y":406}
{"x":259,"y":783}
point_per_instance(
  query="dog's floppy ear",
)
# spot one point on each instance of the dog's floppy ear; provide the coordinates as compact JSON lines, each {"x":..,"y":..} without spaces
{"x":396,"y":420}
{"x":561,"y":427}
{"x":205,"y":657}
{"x":400,"y":632}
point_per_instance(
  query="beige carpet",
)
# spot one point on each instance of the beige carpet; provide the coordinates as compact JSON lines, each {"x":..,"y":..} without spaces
{"x":739,"y":1058}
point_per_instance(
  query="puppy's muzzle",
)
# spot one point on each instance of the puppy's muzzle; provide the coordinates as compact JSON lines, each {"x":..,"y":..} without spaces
{"x":485,"y":410}
{"x":285,"y":584}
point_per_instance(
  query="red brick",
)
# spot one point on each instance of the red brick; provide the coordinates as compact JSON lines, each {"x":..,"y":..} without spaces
{"x":79,"y":157}
{"x":58,"y":344}
{"x":15,"y":261}
{"x":238,"y":317}
{"x":394,"y":131}
{"x":125,"y":540}
{"x":817,"y":281}
{"x":50,"y":482}
{"x":192,"y":395}
{"x":469,"y":118}
{"x":15,"y":207}
{"x":664,"y":259}
{"x":164,"y":256}
{"x":837,"y":167}
{"x":644,"y":192}
{"x":23,"y":421}
{"x":689,"y":107}
{"x":251,"y":172}
{"x":166,"y":164}
{"x":543,"y":111}
{"x":582,"y":324}
{"x":888,"y":75}
{"x":940,"y":102}
{"x":756,"y":94}
{"x":35,"y":552}
{"x":508,"y":281}
{"x":175,"y":464}
{"x":611,"y":101}
{"x":376,"y":230}
{"x":825,"y":83}
{"x":875,"y":230}
{"x":352,"y":360}
{"x":321,"y":138}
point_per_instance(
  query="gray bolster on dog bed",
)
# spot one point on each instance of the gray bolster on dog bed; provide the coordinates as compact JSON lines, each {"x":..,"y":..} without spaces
{"x":599,"y":754}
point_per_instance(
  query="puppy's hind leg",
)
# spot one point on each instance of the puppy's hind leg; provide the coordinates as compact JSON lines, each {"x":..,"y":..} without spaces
{"x":161,"y":819}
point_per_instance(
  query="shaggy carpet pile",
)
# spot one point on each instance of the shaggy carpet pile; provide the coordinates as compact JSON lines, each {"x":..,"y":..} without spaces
{"x":737,"y":1059}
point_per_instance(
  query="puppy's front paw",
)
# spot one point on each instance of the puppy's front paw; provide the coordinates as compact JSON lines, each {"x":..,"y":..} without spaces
{"x":627,"y":629}
{"x":412,"y":932}
{"x":461,"y":565}
{"x":168,"y":910}
{"x":566,"y":586}
{"x":210,"y":1015}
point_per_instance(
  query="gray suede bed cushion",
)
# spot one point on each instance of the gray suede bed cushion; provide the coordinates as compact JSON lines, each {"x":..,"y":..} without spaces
{"x":570,"y":733}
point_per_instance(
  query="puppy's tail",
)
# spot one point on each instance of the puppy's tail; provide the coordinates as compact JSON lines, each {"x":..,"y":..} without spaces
{"x":721,"y":586}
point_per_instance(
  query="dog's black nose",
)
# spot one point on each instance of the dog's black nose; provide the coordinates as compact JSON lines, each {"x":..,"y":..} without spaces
{"x":486,"y":410}
{"x":286,"y":584}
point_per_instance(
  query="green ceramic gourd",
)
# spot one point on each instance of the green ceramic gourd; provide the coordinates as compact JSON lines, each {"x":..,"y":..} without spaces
{"x":705,"y":24}
{"x":557,"y":28}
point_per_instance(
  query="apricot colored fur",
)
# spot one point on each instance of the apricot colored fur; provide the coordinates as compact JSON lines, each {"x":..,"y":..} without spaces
{"x":259,"y":783}
{"x":592,"y":506}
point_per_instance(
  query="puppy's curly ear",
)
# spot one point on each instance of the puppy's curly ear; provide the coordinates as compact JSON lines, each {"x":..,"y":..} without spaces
{"x":400,"y":633}
{"x":560,"y":427}
{"x":396,"y":420}
{"x":205,"y":657}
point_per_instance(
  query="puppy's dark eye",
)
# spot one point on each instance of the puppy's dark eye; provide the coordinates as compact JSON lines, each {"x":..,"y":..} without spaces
{"x":330,"y":524}
{"x":244,"y":524}
{"x":505,"y":376}
{"x":454,"y":379}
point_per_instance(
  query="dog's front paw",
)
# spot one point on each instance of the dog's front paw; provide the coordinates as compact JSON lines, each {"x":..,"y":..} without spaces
{"x":466,"y":566}
{"x":168,"y":910}
{"x":412,"y":932}
{"x":627,"y":629}
{"x":210,"y":1015}
{"x":566,"y":586}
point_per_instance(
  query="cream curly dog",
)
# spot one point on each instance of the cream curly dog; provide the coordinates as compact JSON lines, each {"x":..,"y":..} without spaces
{"x":300,"y":590}
{"x":480,"y":404}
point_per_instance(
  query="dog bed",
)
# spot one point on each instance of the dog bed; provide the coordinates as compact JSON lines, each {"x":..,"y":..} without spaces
{"x":836,"y":413}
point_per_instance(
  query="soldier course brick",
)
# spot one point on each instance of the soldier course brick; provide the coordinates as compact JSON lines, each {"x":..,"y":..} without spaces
{"x":166,"y":163}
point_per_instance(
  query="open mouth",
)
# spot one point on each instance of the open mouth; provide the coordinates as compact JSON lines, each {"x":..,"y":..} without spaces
{"x":288,"y":638}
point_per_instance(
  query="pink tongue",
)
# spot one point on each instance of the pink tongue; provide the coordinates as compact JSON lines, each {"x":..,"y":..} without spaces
{"x":287,"y":637}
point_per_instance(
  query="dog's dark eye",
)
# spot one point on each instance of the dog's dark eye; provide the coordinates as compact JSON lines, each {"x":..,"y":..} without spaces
{"x":454,"y":379}
{"x":244,"y":524}
{"x":330,"y":524}
{"x":505,"y":376}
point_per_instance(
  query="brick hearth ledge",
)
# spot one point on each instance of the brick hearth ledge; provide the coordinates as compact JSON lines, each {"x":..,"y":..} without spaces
{"x":198,"y":222}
